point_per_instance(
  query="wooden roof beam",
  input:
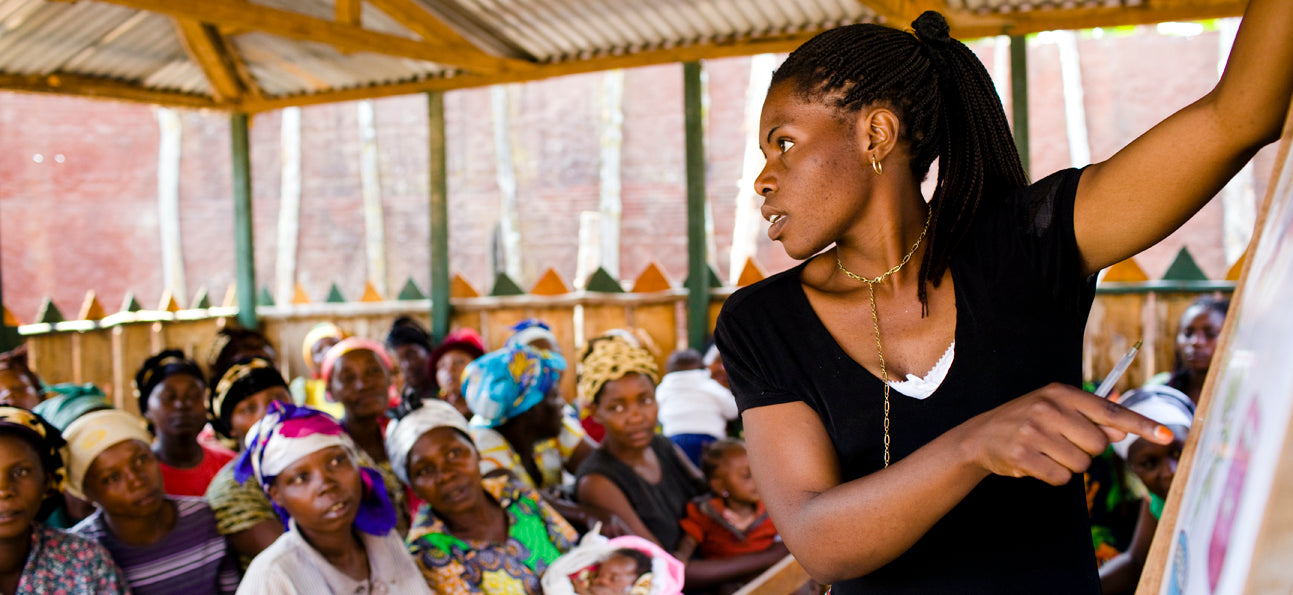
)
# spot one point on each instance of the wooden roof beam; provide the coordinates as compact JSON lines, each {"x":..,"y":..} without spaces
{"x":206,"y":48}
{"x":293,"y":25}
{"x":415,"y":17}
{"x":900,"y":13}
{"x":350,"y":12}
{"x":71,"y":84}
{"x":971,"y":26}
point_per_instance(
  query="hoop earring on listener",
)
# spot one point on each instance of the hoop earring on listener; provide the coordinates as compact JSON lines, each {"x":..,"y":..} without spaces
{"x":875,"y":164}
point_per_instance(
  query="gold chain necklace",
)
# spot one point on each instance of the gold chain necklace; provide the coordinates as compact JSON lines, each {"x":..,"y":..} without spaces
{"x":875,"y":319}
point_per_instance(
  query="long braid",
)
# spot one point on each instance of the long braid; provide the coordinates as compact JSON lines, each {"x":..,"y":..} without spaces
{"x":947,"y":107}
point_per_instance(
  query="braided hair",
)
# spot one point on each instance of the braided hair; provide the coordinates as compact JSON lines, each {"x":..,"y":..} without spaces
{"x":946,"y":104}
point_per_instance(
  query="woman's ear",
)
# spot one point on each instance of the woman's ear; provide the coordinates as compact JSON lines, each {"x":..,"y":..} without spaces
{"x":272,"y":492}
{"x":877,"y":132}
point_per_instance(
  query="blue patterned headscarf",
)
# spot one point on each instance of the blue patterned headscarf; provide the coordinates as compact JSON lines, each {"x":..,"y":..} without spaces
{"x":289,"y":432}
{"x":503,"y":384}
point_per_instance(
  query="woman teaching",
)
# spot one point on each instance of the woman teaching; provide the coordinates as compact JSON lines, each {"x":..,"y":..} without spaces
{"x":966,"y":477}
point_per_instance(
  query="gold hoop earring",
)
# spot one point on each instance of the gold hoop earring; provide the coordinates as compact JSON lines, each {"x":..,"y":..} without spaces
{"x":875,"y":164}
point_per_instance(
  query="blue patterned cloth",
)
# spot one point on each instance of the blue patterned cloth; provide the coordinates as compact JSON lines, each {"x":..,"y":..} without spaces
{"x":503,"y":384}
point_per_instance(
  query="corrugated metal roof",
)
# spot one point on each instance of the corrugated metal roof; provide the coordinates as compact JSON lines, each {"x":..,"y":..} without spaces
{"x":279,"y":52}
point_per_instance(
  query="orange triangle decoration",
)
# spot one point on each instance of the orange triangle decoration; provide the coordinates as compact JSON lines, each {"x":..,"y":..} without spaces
{"x":231,"y":296}
{"x":10,"y":320}
{"x":1237,"y":268}
{"x":651,"y":280}
{"x":299,"y":296}
{"x":1126,"y":271}
{"x":168,"y":303}
{"x":550,"y":284}
{"x":750,"y":274}
{"x":370,"y":293}
{"x":91,"y":309}
{"x":460,"y":288}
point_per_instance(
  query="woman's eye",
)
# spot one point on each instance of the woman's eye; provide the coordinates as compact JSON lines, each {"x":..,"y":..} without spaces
{"x":21,"y":472}
{"x":784,"y":144}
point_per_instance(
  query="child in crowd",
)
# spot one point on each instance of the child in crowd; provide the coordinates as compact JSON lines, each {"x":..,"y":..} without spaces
{"x":623,"y":565}
{"x":36,"y":559}
{"x":1155,"y":465}
{"x":341,"y":536}
{"x":239,"y":399}
{"x":621,"y":572}
{"x":728,"y":538}
{"x":172,"y":397}
{"x":164,"y":544}
{"x":694,"y":408}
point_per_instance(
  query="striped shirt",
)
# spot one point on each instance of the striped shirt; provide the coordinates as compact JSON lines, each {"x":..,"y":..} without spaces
{"x":193,"y":559}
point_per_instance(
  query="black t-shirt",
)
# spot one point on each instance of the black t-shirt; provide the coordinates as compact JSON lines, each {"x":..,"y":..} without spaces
{"x":661,"y":505}
{"x":1021,"y":308}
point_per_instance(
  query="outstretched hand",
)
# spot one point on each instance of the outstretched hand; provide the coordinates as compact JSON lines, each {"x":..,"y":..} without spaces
{"x":1052,"y":433}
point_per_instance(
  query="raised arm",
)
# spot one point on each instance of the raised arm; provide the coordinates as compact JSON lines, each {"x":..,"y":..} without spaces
{"x":841,"y":530}
{"x":1166,"y":175}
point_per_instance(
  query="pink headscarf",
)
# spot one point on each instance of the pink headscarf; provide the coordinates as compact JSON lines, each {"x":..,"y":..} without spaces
{"x":346,"y":346}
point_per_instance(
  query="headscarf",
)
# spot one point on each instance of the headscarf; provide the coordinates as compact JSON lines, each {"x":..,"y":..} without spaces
{"x":93,"y":433}
{"x":403,"y":433}
{"x":319,"y":332}
{"x":611,"y":357}
{"x":462,"y":339}
{"x":160,"y":367}
{"x":503,"y":384}
{"x":243,"y":379}
{"x":348,"y":345}
{"x":530,"y":330}
{"x":406,"y":331}
{"x":1162,"y":404}
{"x":48,"y":443}
{"x":288,"y":433}
{"x":66,"y":402}
{"x":16,"y":360}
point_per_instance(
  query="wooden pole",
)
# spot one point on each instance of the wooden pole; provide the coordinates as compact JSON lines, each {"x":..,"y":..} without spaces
{"x":289,"y":205}
{"x":1019,"y":94}
{"x":439,"y":194}
{"x":168,"y":200}
{"x":371,"y":189}
{"x":698,"y":273}
{"x":245,"y":278}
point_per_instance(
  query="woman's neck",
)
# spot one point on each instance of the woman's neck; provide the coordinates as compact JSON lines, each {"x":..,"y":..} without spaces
{"x":13,"y":558}
{"x":146,"y":529}
{"x":627,"y":454}
{"x":344,"y":550}
{"x":485,"y":520}
{"x":366,"y":433}
{"x":885,"y":234}
{"x":522,"y":442}
{"x":178,"y":451}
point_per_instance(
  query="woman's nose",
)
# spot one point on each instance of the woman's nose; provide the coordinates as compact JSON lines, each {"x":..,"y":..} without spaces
{"x":765,"y":183}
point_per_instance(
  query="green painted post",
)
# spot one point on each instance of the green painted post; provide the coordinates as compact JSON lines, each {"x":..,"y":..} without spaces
{"x":244,"y":255}
{"x":1019,"y":95}
{"x":697,"y":279}
{"x":9,"y":338}
{"x":439,"y":191}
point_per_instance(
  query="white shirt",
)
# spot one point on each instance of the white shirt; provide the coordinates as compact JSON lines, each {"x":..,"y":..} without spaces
{"x":291,"y":566}
{"x":691,"y":402}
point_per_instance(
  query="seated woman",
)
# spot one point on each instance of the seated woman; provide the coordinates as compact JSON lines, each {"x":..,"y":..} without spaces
{"x":341,"y":526}
{"x":410,"y":345}
{"x":35,"y":558}
{"x":164,"y":544}
{"x":172,"y":397}
{"x":458,"y":349}
{"x":19,"y":385}
{"x":473,"y":535}
{"x":242,"y":511}
{"x":1155,"y":466}
{"x":357,"y":372}
{"x":729,"y":537}
{"x":313,"y":390}
{"x":65,"y":403}
{"x":1196,"y":340}
{"x":635,"y":474}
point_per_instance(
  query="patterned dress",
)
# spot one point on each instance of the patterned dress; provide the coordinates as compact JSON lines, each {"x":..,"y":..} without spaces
{"x":536,"y":536}
{"x":62,"y":563}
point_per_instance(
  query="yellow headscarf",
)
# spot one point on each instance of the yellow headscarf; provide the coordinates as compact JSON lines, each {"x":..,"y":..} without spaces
{"x":611,"y":357}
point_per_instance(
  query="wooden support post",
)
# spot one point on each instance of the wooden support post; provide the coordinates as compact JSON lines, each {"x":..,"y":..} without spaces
{"x":439,"y":198}
{"x":289,"y":206}
{"x":1019,"y":95}
{"x":168,"y":199}
{"x":698,"y":277}
{"x":371,"y":183}
{"x":244,"y":255}
{"x":9,"y":338}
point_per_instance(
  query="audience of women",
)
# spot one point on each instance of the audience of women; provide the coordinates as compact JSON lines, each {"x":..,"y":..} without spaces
{"x":635,"y":474}
{"x":172,"y":397}
{"x":163,"y":544}
{"x":239,"y":399}
{"x":458,"y":349}
{"x":36,"y":559}
{"x":341,"y":534}
{"x":473,"y":535}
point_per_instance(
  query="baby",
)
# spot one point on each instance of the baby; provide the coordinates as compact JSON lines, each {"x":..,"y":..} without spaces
{"x":625,"y":570}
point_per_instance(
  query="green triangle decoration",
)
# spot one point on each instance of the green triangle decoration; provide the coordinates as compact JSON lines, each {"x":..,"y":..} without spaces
{"x":201,"y":301}
{"x":49,"y":313}
{"x":334,"y":295}
{"x":504,"y":285}
{"x":264,"y":299}
{"x":602,"y":281}
{"x":411,"y":291}
{"x":130,"y":304}
{"x":713,"y":278}
{"x":1184,"y":268}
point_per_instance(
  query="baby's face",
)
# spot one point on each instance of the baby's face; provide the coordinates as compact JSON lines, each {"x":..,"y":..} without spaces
{"x":615,"y":575}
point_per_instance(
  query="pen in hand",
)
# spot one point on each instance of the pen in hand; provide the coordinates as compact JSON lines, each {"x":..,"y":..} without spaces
{"x":1117,"y":371}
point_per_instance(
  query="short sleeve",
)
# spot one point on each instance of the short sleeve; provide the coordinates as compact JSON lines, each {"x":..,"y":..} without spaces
{"x":237,"y":507}
{"x":691,"y":522}
{"x":742,"y":326}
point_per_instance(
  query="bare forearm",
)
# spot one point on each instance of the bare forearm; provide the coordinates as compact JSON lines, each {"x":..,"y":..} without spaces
{"x":703,"y":574}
